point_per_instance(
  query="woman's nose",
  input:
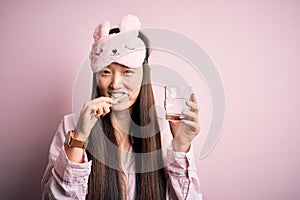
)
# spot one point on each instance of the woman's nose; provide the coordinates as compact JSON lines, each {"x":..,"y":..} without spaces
{"x":116,"y":81}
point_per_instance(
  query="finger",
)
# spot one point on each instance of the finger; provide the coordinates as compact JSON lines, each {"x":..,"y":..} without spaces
{"x":108,"y":100}
{"x":192,"y":116}
{"x":106,"y":110}
{"x":193,"y":98}
{"x":95,"y":104}
{"x":193,"y":106}
{"x":193,"y":125}
{"x":102,"y":109}
{"x":98,"y":105}
{"x":98,"y":113}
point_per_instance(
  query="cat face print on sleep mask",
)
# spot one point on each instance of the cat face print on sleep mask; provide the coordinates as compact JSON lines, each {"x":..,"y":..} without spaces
{"x":125,"y":47}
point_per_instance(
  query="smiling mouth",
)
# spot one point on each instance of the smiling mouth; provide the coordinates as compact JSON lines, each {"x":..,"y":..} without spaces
{"x":117,"y":96}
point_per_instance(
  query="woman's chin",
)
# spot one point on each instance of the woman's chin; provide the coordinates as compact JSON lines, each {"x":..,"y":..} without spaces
{"x":120,"y":106}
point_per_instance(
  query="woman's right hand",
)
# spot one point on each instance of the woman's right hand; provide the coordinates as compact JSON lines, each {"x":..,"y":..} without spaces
{"x":90,"y":113}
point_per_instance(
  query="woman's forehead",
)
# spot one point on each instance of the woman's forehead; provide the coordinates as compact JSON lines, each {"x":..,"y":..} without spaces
{"x":116,"y":65}
{"x":120,"y":66}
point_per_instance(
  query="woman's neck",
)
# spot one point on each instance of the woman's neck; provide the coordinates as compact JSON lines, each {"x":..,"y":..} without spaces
{"x":121,"y":123}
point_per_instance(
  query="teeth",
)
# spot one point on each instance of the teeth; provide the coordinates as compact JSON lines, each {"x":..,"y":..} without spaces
{"x":117,"y":95}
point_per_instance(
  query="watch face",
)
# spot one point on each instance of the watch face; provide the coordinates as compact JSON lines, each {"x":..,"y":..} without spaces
{"x":72,"y":142}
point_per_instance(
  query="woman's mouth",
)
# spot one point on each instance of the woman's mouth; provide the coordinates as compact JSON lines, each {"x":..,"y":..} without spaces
{"x":117,"y":96}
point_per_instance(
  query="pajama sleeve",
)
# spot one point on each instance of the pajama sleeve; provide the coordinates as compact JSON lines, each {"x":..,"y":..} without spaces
{"x":64,"y":179}
{"x":183,"y":181}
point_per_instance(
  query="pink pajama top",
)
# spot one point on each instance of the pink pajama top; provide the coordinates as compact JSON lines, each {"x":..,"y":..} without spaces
{"x":64,"y":179}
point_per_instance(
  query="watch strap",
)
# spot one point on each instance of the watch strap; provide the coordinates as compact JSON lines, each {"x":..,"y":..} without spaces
{"x":73,"y":142}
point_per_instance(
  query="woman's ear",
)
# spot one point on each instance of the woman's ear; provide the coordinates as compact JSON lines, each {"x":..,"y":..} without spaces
{"x":101,"y":30}
{"x":129,"y":22}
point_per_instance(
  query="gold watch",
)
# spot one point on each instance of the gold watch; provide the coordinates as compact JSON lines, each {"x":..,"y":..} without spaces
{"x":73,"y":142}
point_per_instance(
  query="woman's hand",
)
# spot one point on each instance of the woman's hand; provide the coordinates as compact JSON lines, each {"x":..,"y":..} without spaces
{"x":184,"y":131}
{"x":90,"y":113}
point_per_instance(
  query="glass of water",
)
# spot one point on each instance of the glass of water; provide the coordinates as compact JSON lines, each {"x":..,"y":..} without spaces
{"x":175,"y":100}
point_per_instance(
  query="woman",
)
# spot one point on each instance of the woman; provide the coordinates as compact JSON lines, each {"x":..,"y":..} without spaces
{"x":117,"y":149}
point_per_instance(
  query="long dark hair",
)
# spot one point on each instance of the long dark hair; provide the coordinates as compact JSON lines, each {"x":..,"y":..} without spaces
{"x":105,"y":181}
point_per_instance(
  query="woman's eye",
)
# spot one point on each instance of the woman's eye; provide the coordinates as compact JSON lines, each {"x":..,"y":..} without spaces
{"x":129,"y":47}
{"x":128,"y":72}
{"x":105,"y":72}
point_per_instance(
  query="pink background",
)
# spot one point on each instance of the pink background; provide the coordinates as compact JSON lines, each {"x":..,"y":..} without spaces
{"x":254,"y":44}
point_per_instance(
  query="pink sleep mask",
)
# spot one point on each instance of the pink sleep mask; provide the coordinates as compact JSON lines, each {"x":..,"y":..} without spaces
{"x":125,"y":47}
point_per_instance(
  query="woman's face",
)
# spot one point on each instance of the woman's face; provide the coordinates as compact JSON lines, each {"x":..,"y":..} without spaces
{"x":121,"y":83}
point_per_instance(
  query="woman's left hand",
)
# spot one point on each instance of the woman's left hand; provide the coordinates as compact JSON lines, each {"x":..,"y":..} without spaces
{"x":184,"y":131}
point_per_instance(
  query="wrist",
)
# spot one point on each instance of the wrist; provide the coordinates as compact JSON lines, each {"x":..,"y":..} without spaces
{"x":74,"y":140}
{"x":180,"y":147}
{"x":79,"y":135}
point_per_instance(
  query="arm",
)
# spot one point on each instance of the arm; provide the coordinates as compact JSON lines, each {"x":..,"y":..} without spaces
{"x":67,"y":173}
{"x":183,"y":181}
{"x":64,"y":179}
